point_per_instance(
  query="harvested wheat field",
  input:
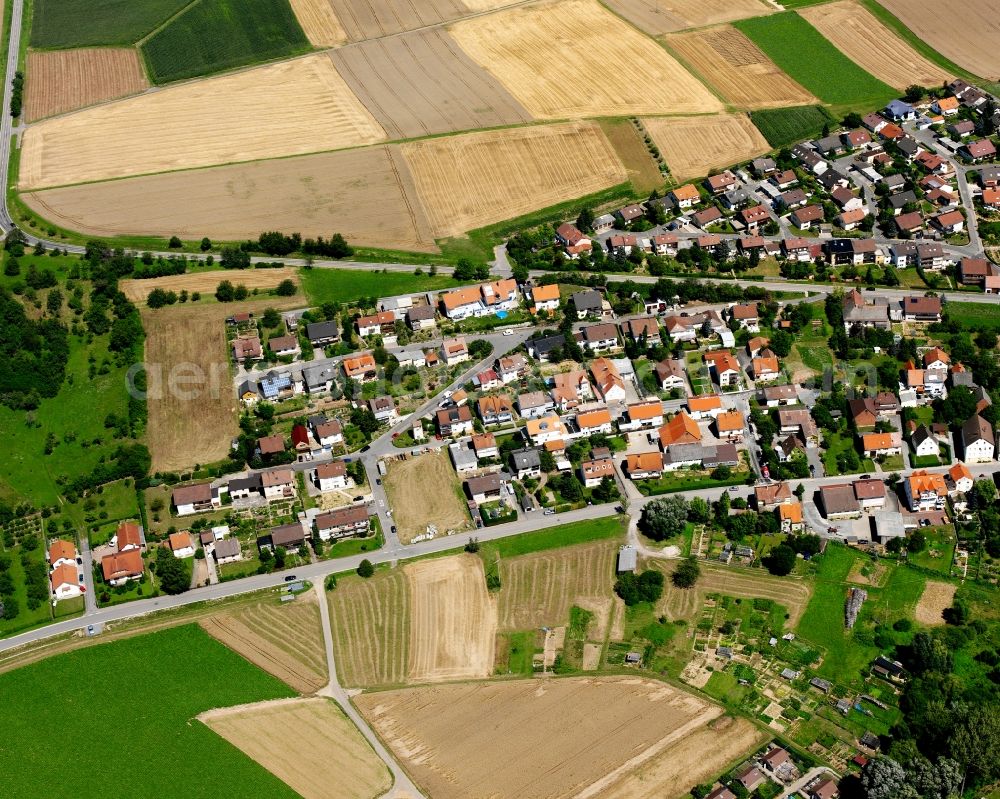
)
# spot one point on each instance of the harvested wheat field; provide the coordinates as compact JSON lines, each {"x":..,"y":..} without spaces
{"x":694,"y":760}
{"x":297,"y":106}
{"x":454,"y":619}
{"x":285,"y":640}
{"x":859,"y":35}
{"x":307,"y":743}
{"x":421,"y":83}
{"x":692,"y":146}
{"x":365,"y":194}
{"x":936,"y":598}
{"x":679,"y":603}
{"x":64,"y":80}
{"x":206,"y":282}
{"x":426,"y":486}
{"x":538,"y":590}
{"x":371,"y":629}
{"x":738,"y":69}
{"x":965,"y":31}
{"x":373,"y":19}
{"x":318,"y":22}
{"x":476,"y":179}
{"x":573,"y":58}
{"x":532,"y":738}
{"x":663,"y":16}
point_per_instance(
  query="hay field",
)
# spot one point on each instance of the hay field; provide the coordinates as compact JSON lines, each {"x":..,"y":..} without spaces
{"x":366,"y":194}
{"x":64,"y":80}
{"x":454,"y":620}
{"x":428,"y":488}
{"x":319,"y":23}
{"x":284,"y":640}
{"x":678,"y":603}
{"x":694,"y":760}
{"x":738,"y":69}
{"x":307,"y":743}
{"x":859,"y":35}
{"x":532,"y":738}
{"x":371,"y":629}
{"x":692,"y":146}
{"x":421,"y":83}
{"x":373,"y":19}
{"x":297,"y":106}
{"x":573,"y":58}
{"x":660,"y":16}
{"x":936,"y":598}
{"x":538,"y":590}
{"x":206,"y":282}
{"x":965,"y":33}
{"x":472,"y":180}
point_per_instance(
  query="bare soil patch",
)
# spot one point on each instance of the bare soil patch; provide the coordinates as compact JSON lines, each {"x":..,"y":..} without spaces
{"x":319,"y":22}
{"x":573,"y":58}
{"x":965,"y":33}
{"x":859,"y":35}
{"x":421,"y":83}
{"x":476,"y":179}
{"x":371,"y":629}
{"x":738,"y":69}
{"x":206,"y":282}
{"x":692,"y":146}
{"x":309,"y":744}
{"x":59,"y":81}
{"x":373,"y":19}
{"x":543,"y":738}
{"x":285,"y":640}
{"x":202,"y":123}
{"x":659,"y":16}
{"x":936,"y":598}
{"x":427,"y":490}
{"x":366,"y":194}
{"x":454,"y":619}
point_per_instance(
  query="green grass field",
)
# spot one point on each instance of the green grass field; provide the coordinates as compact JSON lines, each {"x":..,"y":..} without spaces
{"x":347,"y":285}
{"x":561,"y":536}
{"x":802,"y":51}
{"x":83,"y":23}
{"x":129,"y":707}
{"x":215,"y":35}
{"x":786,"y":126}
{"x":974,"y":316}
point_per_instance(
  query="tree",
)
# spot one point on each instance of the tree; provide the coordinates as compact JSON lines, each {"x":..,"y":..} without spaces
{"x":364,"y":420}
{"x":585,"y":221}
{"x":780,"y":560}
{"x":645,"y":587}
{"x":927,"y":654}
{"x":939,"y":780}
{"x":338,"y":247}
{"x":472,"y":545}
{"x":607,"y":490}
{"x":913,"y":93}
{"x":884,"y":778}
{"x":171,"y":573}
{"x":686,"y":574}
{"x":175,"y":243}
{"x":917,"y":541}
{"x":286,"y":288}
{"x":234,"y":258}
{"x":699,"y":511}
{"x":975,"y":739}
{"x":12,"y":268}
{"x":225,"y":292}
{"x":366,"y":569}
{"x":54,"y":302}
{"x":270,"y":318}
{"x":206,"y":244}
{"x":664,"y":518}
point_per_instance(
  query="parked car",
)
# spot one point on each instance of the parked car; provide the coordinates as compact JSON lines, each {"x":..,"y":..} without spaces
{"x":549,"y":512}
{"x":508,"y":332}
{"x":289,"y":578}
{"x":394,"y":529}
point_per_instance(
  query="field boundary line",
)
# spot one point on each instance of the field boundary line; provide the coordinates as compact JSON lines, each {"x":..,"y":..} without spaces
{"x":138,"y":44}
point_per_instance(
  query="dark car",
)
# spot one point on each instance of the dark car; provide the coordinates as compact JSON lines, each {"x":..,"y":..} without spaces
{"x":394,"y":529}
{"x":289,"y":578}
{"x":366,"y":448}
{"x":378,"y":481}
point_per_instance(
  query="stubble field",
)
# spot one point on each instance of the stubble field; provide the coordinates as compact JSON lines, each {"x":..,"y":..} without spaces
{"x":422,"y":83}
{"x":656,"y":16}
{"x":372,"y":19}
{"x":472,"y":180}
{"x":859,"y":35}
{"x":427,"y":488}
{"x":542,"y":738}
{"x":575,"y":59}
{"x":307,"y":743}
{"x":966,"y":33}
{"x":366,"y":194}
{"x":284,"y":640}
{"x":201,"y":124}
{"x":59,"y":81}
{"x":936,"y":598}
{"x":206,"y":282}
{"x":693,"y":146}
{"x":454,"y":620}
{"x":318,"y":22}
{"x":738,"y":69}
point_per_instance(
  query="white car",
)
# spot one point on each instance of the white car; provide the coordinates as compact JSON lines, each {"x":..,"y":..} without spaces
{"x":448,"y":394}
{"x":508,"y":332}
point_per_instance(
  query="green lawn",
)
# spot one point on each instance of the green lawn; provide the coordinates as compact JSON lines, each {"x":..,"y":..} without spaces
{"x":518,"y":650}
{"x":940,"y":548}
{"x":836,"y":443}
{"x":215,"y":35}
{"x":802,"y":51}
{"x":347,"y":285}
{"x":726,"y":688}
{"x":974,"y":316}
{"x":786,"y":126}
{"x":82,"y":23}
{"x":130,"y":706}
{"x":561,"y":536}
{"x":26,"y":618}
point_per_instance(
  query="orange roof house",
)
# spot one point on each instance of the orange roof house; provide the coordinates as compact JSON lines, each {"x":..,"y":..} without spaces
{"x":62,"y":550}
{"x":65,"y":574}
{"x":644,"y":463}
{"x":122,"y":565}
{"x":592,"y":419}
{"x":688,"y":192}
{"x":705,"y":405}
{"x":359,"y":365}
{"x":790,"y":512}
{"x":873,"y":442}
{"x":547,"y":293}
{"x":682,"y":429}
{"x":128,"y":535}
{"x":961,"y":476}
{"x":645,"y":410}
{"x":729,"y":422}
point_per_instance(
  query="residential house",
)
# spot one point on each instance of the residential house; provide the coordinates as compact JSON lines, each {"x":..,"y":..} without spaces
{"x":980,"y":150}
{"x":320,"y":334}
{"x":454,"y":350}
{"x":706,"y":216}
{"x":284,"y":346}
{"x":645,"y":329}
{"x":644,"y":466}
{"x":622,"y":242}
{"x":671,"y":374}
{"x":121,"y":567}
{"x":66,"y":581}
{"x":685,"y":196}
{"x":594,"y":471}
{"x":604,"y":223}
{"x":773,"y":396}
{"x":899,"y":111}
{"x":483,"y":300}
{"x":721,"y":792}
{"x":765,"y":369}
{"x":343,"y":522}
{"x":849,"y":220}
{"x":247,"y":487}
{"x":752,"y":217}
{"x":300,"y":438}
{"x":725,"y":369}
{"x":721,"y":183}
{"x":869,"y":493}
{"x":287,"y":536}
{"x":328,"y":433}
{"x":949,"y":222}
{"x":810,"y":159}
{"x":608,"y":380}
{"x":874,"y":445}
{"x":973,"y":271}
{"x":925,"y":443}
{"x":545,"y":297}
{"x":599,"y":337}
{"x":278,"y":484}
{"x":485,"y":488}
{"x":542,"y":346}
{"x":771,"y":495}
{"x":596,"y":421}
{"x":922,"y":309}
{"x":910,"y":223}
{"x":710,"y":242}
{"x":642,"y":416}
{"x":511,"y":367}
{"x":839,"y":501}
{"x":61,"y":553}
{"x":181,"y":544}
{"x":495,"y":409}
{"x":796,"y":249}
{"x":665,"y":244}
{"x":195,"y":499}
{"x":851,"y":251}
{"x":318,"y":379}
{"x":681,"y":429}
{"x":545,"y":429}
{"x":526,"y":463}
{"x":485,"y":446}
{"x":978,"y":440}
{"x":804,"y":218}
{"x":376,"y":324}
{"x":247,"y":349}
{"x":360,"y":367}
{"x":534,"y":404}
{"x":569,"y":389}
{"x":587,"y":303}
{"x":857,"y":311}
{"x":331,"y":476}
{"x":729,"y":426}
{"x":227,"y":550}
{"x":925,"y":491}
{"x":825,"y":788}
{"x":704,"y":406}
{"x":421,"y":317}
{"x":271,"y":445}
{"x":961,"y":478}
{"x":573,"y":241}
{"x":746,"y":316}
{"x":798,"y":420}
{"x":454,"y":421}
{"x":790,"y":517}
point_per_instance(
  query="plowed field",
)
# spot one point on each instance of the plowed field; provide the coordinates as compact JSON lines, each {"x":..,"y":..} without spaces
{"x":64,"y":80}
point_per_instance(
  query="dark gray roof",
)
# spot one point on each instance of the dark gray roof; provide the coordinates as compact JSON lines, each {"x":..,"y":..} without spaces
{"x":588,"y":300}
{"x":526,"y":459}
{"x":318,"y":330}
{"x":901,"y":199}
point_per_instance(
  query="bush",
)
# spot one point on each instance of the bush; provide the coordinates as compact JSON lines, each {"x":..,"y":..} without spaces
{"x":366,"y":569}
{"x":780,"y":560}
{"x":645,"y":587}
{"x":686,"y":574}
